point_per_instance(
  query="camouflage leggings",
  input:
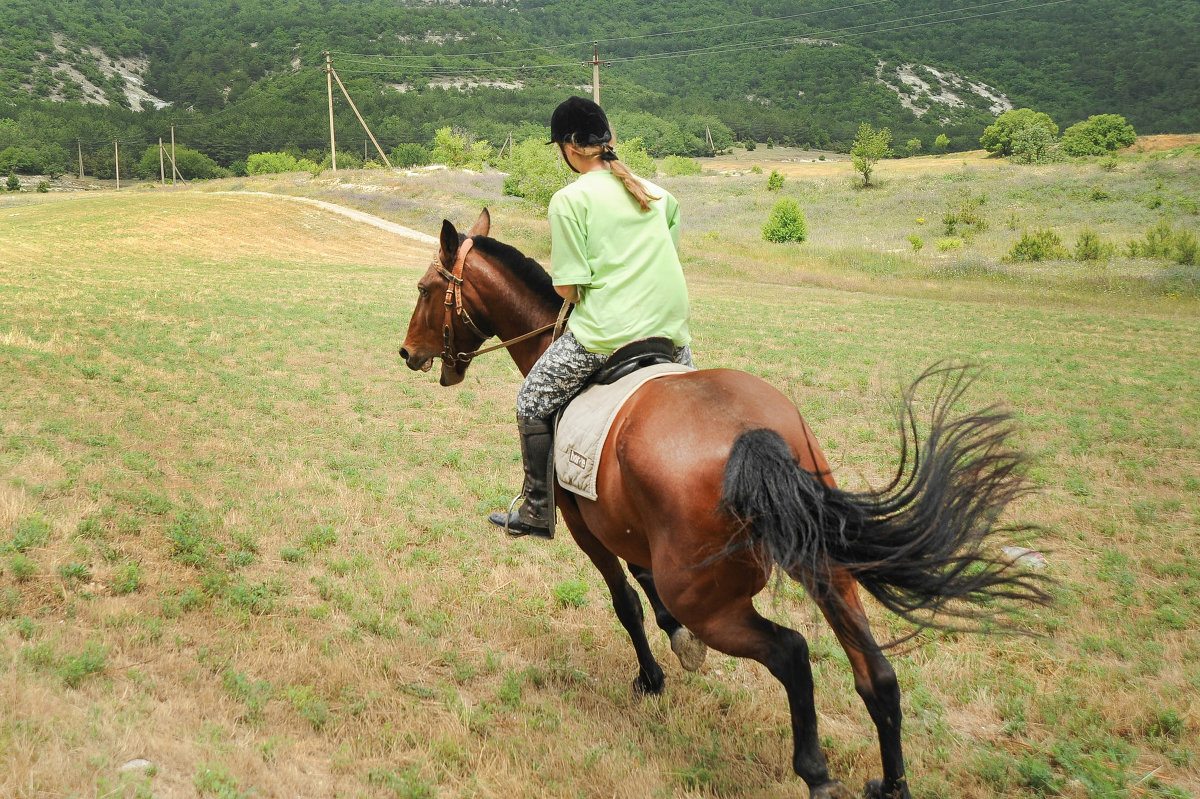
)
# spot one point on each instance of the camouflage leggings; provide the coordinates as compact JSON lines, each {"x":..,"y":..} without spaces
{"x":561,"y":373}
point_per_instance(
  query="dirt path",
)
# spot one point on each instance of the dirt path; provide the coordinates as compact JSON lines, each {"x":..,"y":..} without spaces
{"x":359,"y":216}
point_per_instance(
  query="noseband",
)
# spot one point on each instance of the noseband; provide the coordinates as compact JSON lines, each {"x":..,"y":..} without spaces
{"x":455,"y":307}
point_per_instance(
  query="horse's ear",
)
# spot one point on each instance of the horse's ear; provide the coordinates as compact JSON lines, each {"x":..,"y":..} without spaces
{"x":449,"y":244}
{"x":482,"y":225}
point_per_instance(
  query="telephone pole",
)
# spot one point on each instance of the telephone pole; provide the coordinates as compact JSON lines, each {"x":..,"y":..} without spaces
{"x":162,"y":168}
{"x":596,"y":63}
{"x":329,"y":87}
{"x":174,"y":171}
{"x":79,"y":146}
{"x":117,"y":162}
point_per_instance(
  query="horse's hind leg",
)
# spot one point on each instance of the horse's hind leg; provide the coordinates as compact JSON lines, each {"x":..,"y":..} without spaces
{"x":735,"y":628}
{"x":690,"y":650}
{"x":874,"y":679}
{"x":626,"y":603}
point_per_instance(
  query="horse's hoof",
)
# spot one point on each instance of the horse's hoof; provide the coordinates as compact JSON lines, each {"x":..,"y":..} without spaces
{"x":690,"y":650}
{"x":874,"y":790}
{"x":644,"y":685}
{"x":831,"y":790}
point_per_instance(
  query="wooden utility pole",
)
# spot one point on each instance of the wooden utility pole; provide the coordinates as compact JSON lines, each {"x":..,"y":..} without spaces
{"x":329,"y":86}
{"x":117,"y":162}
{"x":174,"y":171}
{"x":596,"y":64}
{"x":708,"y":138}
{"x":162,"y":168}
{"x":353,"y":108}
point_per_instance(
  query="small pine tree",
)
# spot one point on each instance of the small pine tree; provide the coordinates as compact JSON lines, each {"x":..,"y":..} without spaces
{"x":774,"y":181}
{"x":786,"y":223}
{"x":14,"y":182}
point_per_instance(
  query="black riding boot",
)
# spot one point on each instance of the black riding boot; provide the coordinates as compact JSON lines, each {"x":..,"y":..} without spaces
{"x":535,"y":517}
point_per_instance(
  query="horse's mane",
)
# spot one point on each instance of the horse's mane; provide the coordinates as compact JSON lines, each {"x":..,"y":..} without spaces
{"x":524,"y":268}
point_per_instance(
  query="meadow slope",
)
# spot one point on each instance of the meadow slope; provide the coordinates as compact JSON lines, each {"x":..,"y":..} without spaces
{"x":241,"y":542}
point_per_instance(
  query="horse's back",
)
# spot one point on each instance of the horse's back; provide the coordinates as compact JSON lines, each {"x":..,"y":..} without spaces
{"x":663,"y":463}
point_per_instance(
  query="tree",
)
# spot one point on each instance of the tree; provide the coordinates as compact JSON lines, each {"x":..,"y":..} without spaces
{"x":869,"y":146}
{"x":913,"y":147}
{"x":941,"y":144}
{"x":1099,"y":135}
{"x":1033,"y":144}
{"x":14,"y":182}
{"x":998,"y":137}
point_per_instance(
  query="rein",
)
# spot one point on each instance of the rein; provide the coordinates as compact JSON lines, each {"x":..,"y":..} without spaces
{"x":455,"y":307}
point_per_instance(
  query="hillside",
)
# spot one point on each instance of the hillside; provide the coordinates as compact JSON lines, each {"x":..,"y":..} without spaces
{"x":242,"y":76}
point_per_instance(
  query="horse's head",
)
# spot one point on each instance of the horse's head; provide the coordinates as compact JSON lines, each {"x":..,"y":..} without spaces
{"x":436,"y":330}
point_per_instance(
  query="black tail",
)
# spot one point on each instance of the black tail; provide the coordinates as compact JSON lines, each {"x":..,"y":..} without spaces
{"x":917,"y":545}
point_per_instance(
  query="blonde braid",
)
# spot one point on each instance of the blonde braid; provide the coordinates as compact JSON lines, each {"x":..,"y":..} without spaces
{"x":632,"y":184}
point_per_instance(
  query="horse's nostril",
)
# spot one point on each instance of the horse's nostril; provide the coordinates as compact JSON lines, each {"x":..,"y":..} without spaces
{"x":404,"y":353}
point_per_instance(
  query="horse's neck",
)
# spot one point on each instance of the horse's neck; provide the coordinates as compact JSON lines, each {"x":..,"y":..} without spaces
{"x":520,"y":310}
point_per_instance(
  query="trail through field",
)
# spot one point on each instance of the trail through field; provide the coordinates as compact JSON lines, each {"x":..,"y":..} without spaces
{"x":359,"y":216}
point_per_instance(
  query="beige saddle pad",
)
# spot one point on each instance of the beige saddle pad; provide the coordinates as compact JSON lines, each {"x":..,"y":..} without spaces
{"x":584,"y":425}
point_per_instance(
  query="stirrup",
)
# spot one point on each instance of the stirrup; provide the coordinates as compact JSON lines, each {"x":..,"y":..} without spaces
{"x":508,"y":513}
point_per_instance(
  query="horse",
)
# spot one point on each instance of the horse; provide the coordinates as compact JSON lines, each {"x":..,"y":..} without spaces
{"x":711,"y":481}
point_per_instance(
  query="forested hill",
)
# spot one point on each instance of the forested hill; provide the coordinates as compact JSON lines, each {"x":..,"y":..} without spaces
{"x":240,"y":76}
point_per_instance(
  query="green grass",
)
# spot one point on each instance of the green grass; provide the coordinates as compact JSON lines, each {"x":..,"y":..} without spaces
{"x":240,"y":538}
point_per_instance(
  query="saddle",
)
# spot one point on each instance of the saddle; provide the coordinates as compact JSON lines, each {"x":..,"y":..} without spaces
{"x":584,"y":424}
{"x":633,"y":356}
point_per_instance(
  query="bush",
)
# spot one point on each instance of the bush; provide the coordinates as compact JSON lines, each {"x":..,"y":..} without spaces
{"x":948,"y":244}
{"x":1099,"y":135}
{"x":535,"y":172}
{"x":13,"y":183}
{"x":912,"y":147}
{"x":677,"y":165}
{"x":456,"y":151}
{"x":1185,"y":249}
{"x":1033,"y":144}
{"x":998,"y":137}
{"x":271,"y":163}
{"x":192,"y":165}
{"x":941,"y":144}
{"x":633,"y":154}
{"x":916,"y":241}
{"x":1089,"y":247}
{"x":786,"y":223}
{"x":43,"y":186}
{"x":1042,"y":245}
{"x":408,"y":155}
{"x":774,"y":181}
{"x":1159,"y":242}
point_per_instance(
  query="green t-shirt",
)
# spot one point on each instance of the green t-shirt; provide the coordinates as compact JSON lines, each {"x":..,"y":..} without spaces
{"x":622,"y":258}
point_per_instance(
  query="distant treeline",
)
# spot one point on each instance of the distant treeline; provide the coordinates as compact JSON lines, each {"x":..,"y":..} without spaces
{"x":245,"y":76}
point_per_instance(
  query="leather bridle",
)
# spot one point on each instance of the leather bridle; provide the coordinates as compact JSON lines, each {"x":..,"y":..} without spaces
{"x":455,"y":307}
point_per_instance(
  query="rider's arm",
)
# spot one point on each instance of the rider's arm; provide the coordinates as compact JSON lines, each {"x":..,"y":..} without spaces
{"x":569,"y":293}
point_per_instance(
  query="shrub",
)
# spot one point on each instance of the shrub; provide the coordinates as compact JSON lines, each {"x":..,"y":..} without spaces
{"x":916,"y":241}
{"x":677,"y":165}
{"x":1159,"y":242}
{"x":571,"y":593}
{"x":1089,"y":247}
{"x":751,"y":146}
{"x":786,"y":223}
{"x":998,"y":137}
{"x":963,"y":211}
{"x":774,"y":181}
{"x":1099,"y":135}
{"x":912,"y":147}
{"x":756,"y":170}
{"x":535,"y":172}
{"x":1033,"y":144}
{"x":455,"y":150}
{"x":948,"y":244}
{"x":190,"y":164}
{"x":1042,"y":245}
{"x":1185,"y":249}
{"x":14,"y":182}
{"x":633,"y":154}
{"x":941,"y":144}
{"x":271,"y":163}
{"x":408,"y":155}
{"x":43,"y":186}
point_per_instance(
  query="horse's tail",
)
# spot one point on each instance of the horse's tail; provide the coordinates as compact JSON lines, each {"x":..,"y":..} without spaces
{"x":916,"y":545}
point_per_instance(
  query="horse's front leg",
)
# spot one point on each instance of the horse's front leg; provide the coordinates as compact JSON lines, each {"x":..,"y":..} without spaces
{"x":874,"y":679}
{"x":625,"y":599}
{"x":690,"y":650}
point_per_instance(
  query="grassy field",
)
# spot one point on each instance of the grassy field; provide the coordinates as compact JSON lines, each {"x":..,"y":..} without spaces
{"x":242,"y":550}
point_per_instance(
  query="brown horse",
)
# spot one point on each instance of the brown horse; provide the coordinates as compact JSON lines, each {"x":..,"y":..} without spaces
{"x":710,"y":480}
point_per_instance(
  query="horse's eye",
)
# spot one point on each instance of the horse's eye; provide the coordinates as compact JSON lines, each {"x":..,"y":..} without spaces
{"x":424,"y":292}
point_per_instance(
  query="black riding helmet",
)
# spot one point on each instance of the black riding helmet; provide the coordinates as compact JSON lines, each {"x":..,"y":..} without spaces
{"x":579,"y":121}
